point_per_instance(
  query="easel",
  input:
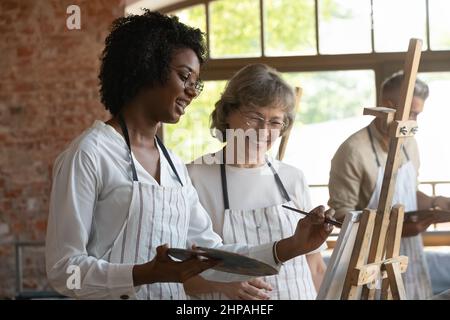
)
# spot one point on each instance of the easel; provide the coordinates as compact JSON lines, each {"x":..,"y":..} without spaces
{"x":285,"y":138}
{"x":382,"y":228}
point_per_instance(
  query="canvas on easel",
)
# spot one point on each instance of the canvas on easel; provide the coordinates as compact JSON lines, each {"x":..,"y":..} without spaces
{"x":331,"y":287}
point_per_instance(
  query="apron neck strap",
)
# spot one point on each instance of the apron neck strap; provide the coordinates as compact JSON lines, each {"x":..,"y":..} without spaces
{"x":223,"y":177}
{"x":168,"y":158}
{"x":278,"y":181}
{"x":124,"y":128}
{"x":406,"y":153}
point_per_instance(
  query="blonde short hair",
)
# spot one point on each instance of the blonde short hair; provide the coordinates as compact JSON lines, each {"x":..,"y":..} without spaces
{"x":256,"y":85}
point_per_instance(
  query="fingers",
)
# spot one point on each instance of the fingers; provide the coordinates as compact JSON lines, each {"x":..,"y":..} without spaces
{"x":193,"y":255}
{"x":161,"y":253}
{"x":317,"y":215}
{"x":260,"y":284}
{"x":254,"y":292}
{"x":194,"y":266}
{"x":427,"y":222}
{"x":329,"y":214}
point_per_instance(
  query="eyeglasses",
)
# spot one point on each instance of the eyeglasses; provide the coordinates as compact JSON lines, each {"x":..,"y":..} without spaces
{"x":254,"y":122}
{"x":197,"y":86}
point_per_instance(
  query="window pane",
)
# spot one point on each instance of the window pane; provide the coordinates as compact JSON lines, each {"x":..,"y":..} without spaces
{"x":190,"y":138}
{"x":439,"y":24}
{"x":319,"y":195}
{"x":330,"y":110}
{"x":344,"y":26}
{"x":433,"y":135}
{"x":289,"y":34}
{"x":395,"y":22}
{"x":426,"y":188}
{"x":235,"y":28}
{"x":193,"y":16}
{"x":333,"y":95}
{"x":433,"y":128}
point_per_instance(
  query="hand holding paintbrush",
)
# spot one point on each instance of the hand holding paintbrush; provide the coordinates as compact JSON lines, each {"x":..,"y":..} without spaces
{"x":309,"y":235}
{"x":327,"y":220}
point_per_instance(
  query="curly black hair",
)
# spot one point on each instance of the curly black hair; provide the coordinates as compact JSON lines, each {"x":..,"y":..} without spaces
{"x":138,"y":52}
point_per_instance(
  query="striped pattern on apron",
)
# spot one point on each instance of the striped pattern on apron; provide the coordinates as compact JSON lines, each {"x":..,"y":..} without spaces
{"x":264,"y":225}
{"x":157,"y":215}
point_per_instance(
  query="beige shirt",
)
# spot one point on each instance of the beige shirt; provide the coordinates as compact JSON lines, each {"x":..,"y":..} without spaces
{"x":354,"y":169}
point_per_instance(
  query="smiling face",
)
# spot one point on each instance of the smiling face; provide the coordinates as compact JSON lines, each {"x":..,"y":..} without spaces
{"x":167,"y":103}
{"x":262,"y":126}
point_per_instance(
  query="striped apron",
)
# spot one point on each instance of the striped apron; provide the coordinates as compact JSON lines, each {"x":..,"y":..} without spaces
{"x":157,"y":215}
{"x":260,"y":226}
{"x":416,"y":278}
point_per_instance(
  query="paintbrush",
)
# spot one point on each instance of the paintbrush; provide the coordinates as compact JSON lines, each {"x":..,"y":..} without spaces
{"x":327,"y":220}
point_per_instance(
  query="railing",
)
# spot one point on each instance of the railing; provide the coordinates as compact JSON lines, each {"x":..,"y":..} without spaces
{"x":433,"y":185}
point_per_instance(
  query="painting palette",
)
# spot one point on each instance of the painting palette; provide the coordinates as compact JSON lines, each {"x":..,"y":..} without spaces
{"x":228,"y":261}
{"x":441,"y":216}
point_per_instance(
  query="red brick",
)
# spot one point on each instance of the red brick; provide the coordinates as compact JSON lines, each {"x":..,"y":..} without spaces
{"x":48,"y":95}
{"x":25,"y":52}
{"x":41,"y":225}
{"x":9,"y":5}
{"x":24,"y":86}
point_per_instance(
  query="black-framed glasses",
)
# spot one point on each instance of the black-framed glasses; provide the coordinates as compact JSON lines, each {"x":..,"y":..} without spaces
{"x":197,"y":85}
{"x":255,"y":122}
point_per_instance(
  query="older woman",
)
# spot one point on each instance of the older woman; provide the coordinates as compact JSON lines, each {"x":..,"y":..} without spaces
{"x":118,"y":195}
{"x":244,"y":193}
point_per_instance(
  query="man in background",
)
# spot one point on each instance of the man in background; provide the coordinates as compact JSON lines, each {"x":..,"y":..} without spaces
{"x":356,"y":178}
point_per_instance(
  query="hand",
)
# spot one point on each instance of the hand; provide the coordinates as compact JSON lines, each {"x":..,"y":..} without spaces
{"x":413,"y":228}
{"x":247,"y":290}
{"x":164,"y":269}
{"x":441,"y":203}
{"x":310,"y":233}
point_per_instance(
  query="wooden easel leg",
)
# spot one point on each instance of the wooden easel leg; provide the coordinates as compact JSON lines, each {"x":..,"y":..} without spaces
{"x":359,"y":253}
{"x":393,"y":239}
{"x":395,"y":281}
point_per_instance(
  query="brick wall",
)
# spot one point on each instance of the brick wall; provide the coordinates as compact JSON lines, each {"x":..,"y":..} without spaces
{"x":48,"y":95}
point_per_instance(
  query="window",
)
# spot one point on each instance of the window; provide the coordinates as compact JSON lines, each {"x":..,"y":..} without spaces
{"x":235,"y":28}
{"x":433,"y":128}
{"x":433,"y":137}
{"x":344,"y":26}
{"x":330,"y":110}
{"x":395,"y":22}
{"x":193,"y":16}
{"x":289,"y":34}
{"x":439,"y":24}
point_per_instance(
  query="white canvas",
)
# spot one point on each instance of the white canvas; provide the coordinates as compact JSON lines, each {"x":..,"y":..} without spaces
{"x":333,"y":281}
